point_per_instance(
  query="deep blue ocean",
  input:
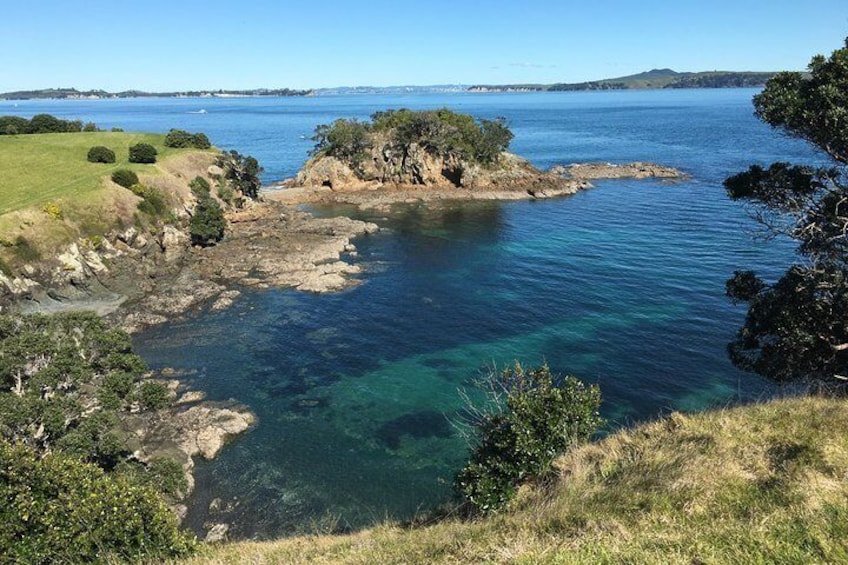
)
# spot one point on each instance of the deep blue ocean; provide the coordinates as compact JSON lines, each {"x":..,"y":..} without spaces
{"x":357,"y":393}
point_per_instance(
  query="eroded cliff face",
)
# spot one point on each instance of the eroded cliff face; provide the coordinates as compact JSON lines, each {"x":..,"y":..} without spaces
{"x":414,"y":166}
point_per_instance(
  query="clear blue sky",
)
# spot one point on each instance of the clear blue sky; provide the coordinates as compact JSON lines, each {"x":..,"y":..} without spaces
{"x":194,"y":44}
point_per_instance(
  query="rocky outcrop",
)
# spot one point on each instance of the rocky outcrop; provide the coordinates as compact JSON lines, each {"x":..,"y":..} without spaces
{"x":387,"y":168}
{"x":190,"y":428}
{"x":637,"y":170}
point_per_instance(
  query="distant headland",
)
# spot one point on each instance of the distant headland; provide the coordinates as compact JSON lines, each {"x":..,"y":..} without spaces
{"x":653,"y":79}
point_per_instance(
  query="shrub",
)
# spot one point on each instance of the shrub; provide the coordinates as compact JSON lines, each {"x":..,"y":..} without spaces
{"x":182,"y":138}
{"x":347,"y":140}
{"x":125,"y":178}
{"x":100,"y":154}
{"x":152,"y":395}
{"x":153,"y":203}
{"x":90,"y":126}
{"x":208,"y":224}
{"x":116,"y":129}
{"x":142,"y":153}
{"x":13,"y":125}
{"x":242,"y":172}
{"x":60,"y":510}
{"x":199,"y":187}
{"x":200,"y":141}
{"x":53,"y":210}
{"x":534,"y":417}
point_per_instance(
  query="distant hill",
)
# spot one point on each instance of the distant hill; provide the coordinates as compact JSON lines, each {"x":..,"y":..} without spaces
{"x":74,"y":94}
{"x":655,"y":78}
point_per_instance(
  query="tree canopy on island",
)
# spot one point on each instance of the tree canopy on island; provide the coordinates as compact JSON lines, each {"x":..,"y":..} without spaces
{"x":797,"y":327}
{"x":439,"y":132}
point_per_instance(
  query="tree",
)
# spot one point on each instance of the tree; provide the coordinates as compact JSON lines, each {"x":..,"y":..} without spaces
{"x":534,"y":416}
{"x":242,"y":171}
{"x":57,"y":509}
{"x":142,"y":153}
{"x":207,"y":224}
{"x":797,"y":327}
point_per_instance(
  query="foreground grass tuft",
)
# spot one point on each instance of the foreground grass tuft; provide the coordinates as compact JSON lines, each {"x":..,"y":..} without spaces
{"x":766,"y":483}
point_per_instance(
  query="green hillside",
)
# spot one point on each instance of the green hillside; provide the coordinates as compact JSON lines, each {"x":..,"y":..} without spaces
{"x":44,"y":167}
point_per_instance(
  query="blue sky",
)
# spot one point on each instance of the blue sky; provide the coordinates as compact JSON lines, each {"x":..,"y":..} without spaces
{"x":192,"y":44}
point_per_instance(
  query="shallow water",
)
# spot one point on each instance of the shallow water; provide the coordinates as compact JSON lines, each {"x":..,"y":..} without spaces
{"x":357,"y":392}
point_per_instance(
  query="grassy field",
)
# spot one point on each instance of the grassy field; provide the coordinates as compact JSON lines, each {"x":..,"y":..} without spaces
{"x":50,"y":195}
{"x":766,"y":483}
{"x":47,"y":167}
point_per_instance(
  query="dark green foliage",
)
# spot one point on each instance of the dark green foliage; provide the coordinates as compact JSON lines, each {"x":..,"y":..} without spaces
{"x":199,"y":187}
{"x":45,"y":123}
{"x":440,"y":132}
{"x":153,"y":203}
{"x":50,"y":368}
{"x":125,"y":178}
{"x":100,"y":154}
{"x":207,"y":224}
{"x":60,"y":510}
{"x":142,"y":153}
{"x":152,"y":395}
{"x":536,"y":417}
{"x":41,"y":123}
{"x":242,"y":172}
{"x":345,"y":139}
{"x":90,"y":126}
{"x":795,"y":328}
{"x":181,"y":138}
{"x":13,"y":125}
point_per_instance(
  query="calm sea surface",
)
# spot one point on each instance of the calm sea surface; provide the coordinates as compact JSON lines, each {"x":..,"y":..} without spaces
{"x":357,"y":392}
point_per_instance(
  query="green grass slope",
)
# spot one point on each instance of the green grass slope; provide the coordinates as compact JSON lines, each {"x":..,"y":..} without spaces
{"x":46,"y":167}
{"x":50,"y":195}
{"x":766,"y":483}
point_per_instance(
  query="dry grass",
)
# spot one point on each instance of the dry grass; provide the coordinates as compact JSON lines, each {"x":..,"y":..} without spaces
{"x":766,"y":483}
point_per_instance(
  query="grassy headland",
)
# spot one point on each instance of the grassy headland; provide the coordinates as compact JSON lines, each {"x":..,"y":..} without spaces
{"x":50,"y":194}
{"x":764,"y":483}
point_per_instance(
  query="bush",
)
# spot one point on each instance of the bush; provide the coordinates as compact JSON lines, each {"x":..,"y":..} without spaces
{"x":60,"y":510}
{"x":208,"y":224}
{"x":100,"y":154}
{"x":242,"y":172}
{"x":142,"y":153}
{"x":534,"y":417}
{"x":182,"y":138}
{"x":152,"y":395}
{"x":90,"y":126}
{"x":153,"y":203}
{"x":199,"y":187}
{"x":53,"y":210}
{"x":13,"y":125}
{"x":125,"y":178}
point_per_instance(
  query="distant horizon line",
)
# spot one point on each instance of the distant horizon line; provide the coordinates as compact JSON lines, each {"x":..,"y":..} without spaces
{"x":447,"y":85}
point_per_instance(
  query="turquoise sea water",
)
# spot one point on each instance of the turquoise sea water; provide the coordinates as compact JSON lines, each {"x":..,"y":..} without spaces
{"x":357,"y":392}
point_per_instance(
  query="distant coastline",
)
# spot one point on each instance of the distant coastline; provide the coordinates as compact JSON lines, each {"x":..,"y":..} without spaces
{"x":653,"y":79}
{"x":74,"y":94}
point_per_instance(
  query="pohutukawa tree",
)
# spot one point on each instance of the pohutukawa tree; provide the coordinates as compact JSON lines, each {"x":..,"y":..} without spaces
{"x":795,"y":328}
